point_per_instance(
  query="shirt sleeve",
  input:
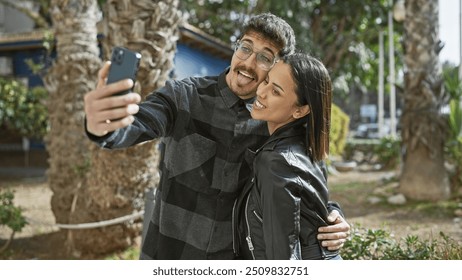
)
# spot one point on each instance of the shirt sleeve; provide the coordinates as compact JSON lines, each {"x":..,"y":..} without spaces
{"x":155,"y":118}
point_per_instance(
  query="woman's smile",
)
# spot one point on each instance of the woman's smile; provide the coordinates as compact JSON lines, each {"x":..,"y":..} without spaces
{"x":258,"y":105}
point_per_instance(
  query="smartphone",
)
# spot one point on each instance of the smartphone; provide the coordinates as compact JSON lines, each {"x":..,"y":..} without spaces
{"x":124,"y":65}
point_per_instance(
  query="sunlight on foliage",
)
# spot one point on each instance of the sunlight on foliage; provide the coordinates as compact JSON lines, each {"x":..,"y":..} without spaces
{"x":23,"y":109}
{"x":379,"y":244}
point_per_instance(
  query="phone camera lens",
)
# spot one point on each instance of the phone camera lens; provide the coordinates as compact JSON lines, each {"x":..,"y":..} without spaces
{"x":118,"y":56}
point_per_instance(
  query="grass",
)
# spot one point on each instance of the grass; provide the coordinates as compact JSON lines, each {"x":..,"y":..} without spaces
{"x":132,"y":253}
{"x":347,"y":187}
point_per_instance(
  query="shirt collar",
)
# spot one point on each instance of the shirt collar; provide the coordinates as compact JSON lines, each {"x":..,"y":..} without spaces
{"x":229,"y":97}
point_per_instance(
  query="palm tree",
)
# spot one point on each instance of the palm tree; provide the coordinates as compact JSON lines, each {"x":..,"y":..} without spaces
{"x":71,"y":75}
{"x":423,"y":175}
{"x":118,"y":179}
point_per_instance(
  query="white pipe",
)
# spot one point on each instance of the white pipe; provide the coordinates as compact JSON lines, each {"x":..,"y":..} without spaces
{"x":460,"y":41}
{"x":106,"y":223}
{"x":380,"y":86}
{"x":392,"y":72}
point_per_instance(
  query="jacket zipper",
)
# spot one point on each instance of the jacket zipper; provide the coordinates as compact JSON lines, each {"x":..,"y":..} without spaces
{"x":258,"y":216}
{"x":248,"y":238}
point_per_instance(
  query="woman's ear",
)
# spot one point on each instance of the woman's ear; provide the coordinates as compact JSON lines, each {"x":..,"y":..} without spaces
{"x":301,"y":112}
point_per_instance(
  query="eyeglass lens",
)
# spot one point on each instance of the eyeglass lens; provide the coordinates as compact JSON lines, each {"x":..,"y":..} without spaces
{"x":265,"y":60}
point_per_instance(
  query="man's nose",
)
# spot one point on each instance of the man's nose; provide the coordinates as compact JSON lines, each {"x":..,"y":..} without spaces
{"x":251,"y":60}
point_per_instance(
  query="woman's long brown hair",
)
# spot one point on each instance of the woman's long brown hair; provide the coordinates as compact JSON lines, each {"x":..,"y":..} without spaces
{"x":313,"y":88}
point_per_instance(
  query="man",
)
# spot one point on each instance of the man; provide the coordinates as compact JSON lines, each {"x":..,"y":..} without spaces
{"x":206,"y":131}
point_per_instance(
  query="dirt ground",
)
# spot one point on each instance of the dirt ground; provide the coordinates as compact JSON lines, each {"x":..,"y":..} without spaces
{"x":40,"y":239}
{"x":425,"y":220}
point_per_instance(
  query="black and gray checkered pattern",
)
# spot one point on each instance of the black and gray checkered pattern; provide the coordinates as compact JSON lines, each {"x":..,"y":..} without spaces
{"x":206,"y":132}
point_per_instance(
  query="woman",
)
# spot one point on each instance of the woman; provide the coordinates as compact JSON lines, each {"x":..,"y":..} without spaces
{"x":279,"y":212}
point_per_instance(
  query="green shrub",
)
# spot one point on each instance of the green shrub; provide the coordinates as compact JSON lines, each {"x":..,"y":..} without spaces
{"x":23,"y":109}
{"x":388,"y":152}
{"x":368,"y":244}
{"x":132,"y":253}
{"x":10,"y":215}
{"x":338,"y":130}
{"x":384,"y":151}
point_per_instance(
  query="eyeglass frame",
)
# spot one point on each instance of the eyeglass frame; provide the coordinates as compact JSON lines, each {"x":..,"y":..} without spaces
{"x":258,"y":55}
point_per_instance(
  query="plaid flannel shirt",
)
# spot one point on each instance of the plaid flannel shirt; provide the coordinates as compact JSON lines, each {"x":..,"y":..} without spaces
{"x":206,"y":131}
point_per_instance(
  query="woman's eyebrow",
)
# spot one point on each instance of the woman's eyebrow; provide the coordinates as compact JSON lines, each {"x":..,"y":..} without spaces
{"x":278,"y":86}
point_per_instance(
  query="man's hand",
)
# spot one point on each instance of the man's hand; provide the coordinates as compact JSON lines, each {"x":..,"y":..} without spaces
{"x":334,"y":236}
{"x":106,"y":112}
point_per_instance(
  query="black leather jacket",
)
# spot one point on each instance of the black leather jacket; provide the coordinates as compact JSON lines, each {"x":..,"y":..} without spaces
{"x":278,"y":214}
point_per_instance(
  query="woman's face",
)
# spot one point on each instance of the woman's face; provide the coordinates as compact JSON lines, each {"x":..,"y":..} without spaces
{"x":276,"y":100}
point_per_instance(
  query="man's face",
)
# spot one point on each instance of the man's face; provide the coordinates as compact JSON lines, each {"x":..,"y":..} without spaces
{"x":245,"y":75}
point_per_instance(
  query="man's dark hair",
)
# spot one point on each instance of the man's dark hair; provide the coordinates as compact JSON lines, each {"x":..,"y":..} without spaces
{"x":274,"y":29}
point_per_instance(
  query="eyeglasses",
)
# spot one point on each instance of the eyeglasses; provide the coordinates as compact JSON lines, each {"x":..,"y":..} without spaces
{"x":265,"y":59}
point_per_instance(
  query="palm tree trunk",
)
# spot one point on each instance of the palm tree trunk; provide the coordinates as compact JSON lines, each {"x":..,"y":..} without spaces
{"x":423,"y":175}
{"x":72,"y":74}
{"x":118,"y":179}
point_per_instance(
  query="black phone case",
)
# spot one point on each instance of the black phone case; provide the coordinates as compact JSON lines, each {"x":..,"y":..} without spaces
{"x":124,"y":65}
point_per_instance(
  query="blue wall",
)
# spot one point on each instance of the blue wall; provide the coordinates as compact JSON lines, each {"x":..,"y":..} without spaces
{"x":187,"y":62}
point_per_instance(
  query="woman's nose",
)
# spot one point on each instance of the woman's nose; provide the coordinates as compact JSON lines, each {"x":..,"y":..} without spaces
{"x":261,"y":91}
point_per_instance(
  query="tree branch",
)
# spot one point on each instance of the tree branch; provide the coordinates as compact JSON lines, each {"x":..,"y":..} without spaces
{"x":5,"y":246}
{"x":39,"y":20}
